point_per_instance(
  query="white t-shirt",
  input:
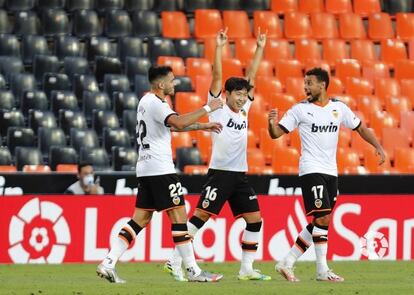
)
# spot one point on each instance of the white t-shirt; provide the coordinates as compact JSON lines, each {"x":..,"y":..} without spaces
{"x":230,"y":145}
{"x":153,"y":137}
{"x":319,"y":130}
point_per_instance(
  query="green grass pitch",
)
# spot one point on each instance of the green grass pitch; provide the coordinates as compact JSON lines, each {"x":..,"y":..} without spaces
{"x":365,"y":277}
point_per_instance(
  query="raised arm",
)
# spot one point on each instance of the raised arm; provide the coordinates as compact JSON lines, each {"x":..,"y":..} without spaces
{"x":273,"y":127}
{"x":216,"y":83}
{"x":369,"y":137}
{"x":254,"y":66}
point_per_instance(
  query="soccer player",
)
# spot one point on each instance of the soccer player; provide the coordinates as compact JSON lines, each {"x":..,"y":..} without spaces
{"x":226,"y":176}
{"x":318,"y":119}
{"x":158,"y":185}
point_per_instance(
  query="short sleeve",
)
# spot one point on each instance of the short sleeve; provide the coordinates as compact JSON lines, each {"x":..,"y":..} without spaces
{"x":349,"y":119}
{"x":162,"y":112}
{"x":290,"y":120}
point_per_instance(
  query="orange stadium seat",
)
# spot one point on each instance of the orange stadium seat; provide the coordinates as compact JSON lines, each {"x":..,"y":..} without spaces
{"x":324,"y":26}
{"x":358,"y":86}
{"x":294,"y":140}
{"x":197,"y":66}
{"x":358,"y":143}
{"x":175,"y":25}
{"x":371,"y":161}
{"x":380,"y":26}
{"x":67,"y":168}
{"x":207,"y":23}
{"x":407,"y":121}
{"x":288,"y":68}
{"x":338,"y":6}
{"x":285,"y":160}
{"x":295,"y":87}
{"x":355,"y":170}
{"x":203,"y":139}
{"x":394,"y":138}
{"x":307,"y":49}
{"x":7,"y":169}
{"x":405,"y":26}
{"x":335,"y":86}
{"x":252,"y":140}
{"x":266,"y":68}
{"x":282,"y":102}
{"x":277,"y":49}
{"x":407,"y":89}
{"x":255,"y":157}
{"x":297,"y":25}
{"x":347,"y":68}
{"x":316,"y":63}
{"x":334,"y":50}
{"x":348,"y":100}
{"x":202,"y":85}
{"x":175,"y":62}
{"x":284,"y":6}
{"x":257,"y":122}
{"x":196,"y":169}
{"x":380,"y":120}
{"x":267,"y":21}
{"x":344,"y":138}
{"x":311,"y":6}
{"x":392,"y":50}
{"x":180,"y":139}
{"x":363,"y":50}
{"x":366,"y":7}
{"x":404,"y":160}
{"x":266,"y":144}
{"x":244,"y":50}
{"x":36,"y":169}
{"x":267,"y":86}
{"x":264,"y":170}
{"x":351,"y":26}
{"x":397,"y":104}
{"x":237,"y":23}
{"x":347,"y":157}
{"x":386,"y":87}
{"x":258,"y":106}
{"x":372,"y":70}
{"x":411,"y":49}
{"x":368,"y":104}
{"x":404,"y":69}
{"x":186,"y":102}
{"x":232,"y":67}
{"x":210,"y":47}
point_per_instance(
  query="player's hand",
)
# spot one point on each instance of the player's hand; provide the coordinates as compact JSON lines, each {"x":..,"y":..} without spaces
{"x":261,"y":38}
{"x":215,"y":104}
{"x":221,"y":38}
{"x":380,"y":152}
{"x":273,"y":116}
{"x":212,"y":127}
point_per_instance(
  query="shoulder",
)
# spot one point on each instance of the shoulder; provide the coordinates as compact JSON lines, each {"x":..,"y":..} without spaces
{"x":74,"y":188}
{"x":338,"y":101}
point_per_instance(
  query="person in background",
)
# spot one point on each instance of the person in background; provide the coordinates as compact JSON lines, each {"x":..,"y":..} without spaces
{"x":86,"y":184}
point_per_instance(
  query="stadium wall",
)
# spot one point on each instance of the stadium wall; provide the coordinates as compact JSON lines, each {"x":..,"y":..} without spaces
{"x":62,"y":229}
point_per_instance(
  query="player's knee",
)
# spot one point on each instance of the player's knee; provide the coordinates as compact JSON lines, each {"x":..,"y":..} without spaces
{"x":323,"y":220}
{"x":204,"y":216}
{"x":142,"y":218}
{"x":252,"y":217}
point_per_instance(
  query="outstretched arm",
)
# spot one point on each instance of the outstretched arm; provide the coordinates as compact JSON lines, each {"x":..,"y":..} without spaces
{"x":216,"y":83}
{"x":254,"y":66}
{"x":273,"y":127}
{"x":369,"y":137}
{"x":210,"y":126}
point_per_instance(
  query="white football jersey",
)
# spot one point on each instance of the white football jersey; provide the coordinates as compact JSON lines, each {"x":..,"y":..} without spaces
{"x":230,"y":145}
{"x":319,"y":130}
{"x":154,"y":137}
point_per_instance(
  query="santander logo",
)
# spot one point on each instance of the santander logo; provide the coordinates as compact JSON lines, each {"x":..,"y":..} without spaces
{"x":38,"y":233}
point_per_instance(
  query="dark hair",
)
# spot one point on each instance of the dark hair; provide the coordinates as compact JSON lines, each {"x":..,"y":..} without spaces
{"x":320,"y":74}
{"x":235,"y":83}
{"x":156,"y":72}
{"x":83,"y":164}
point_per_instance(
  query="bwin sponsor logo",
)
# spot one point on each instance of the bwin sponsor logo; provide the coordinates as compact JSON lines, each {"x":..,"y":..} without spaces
{"x":324,"y":128}
{"x":236,"y":126}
